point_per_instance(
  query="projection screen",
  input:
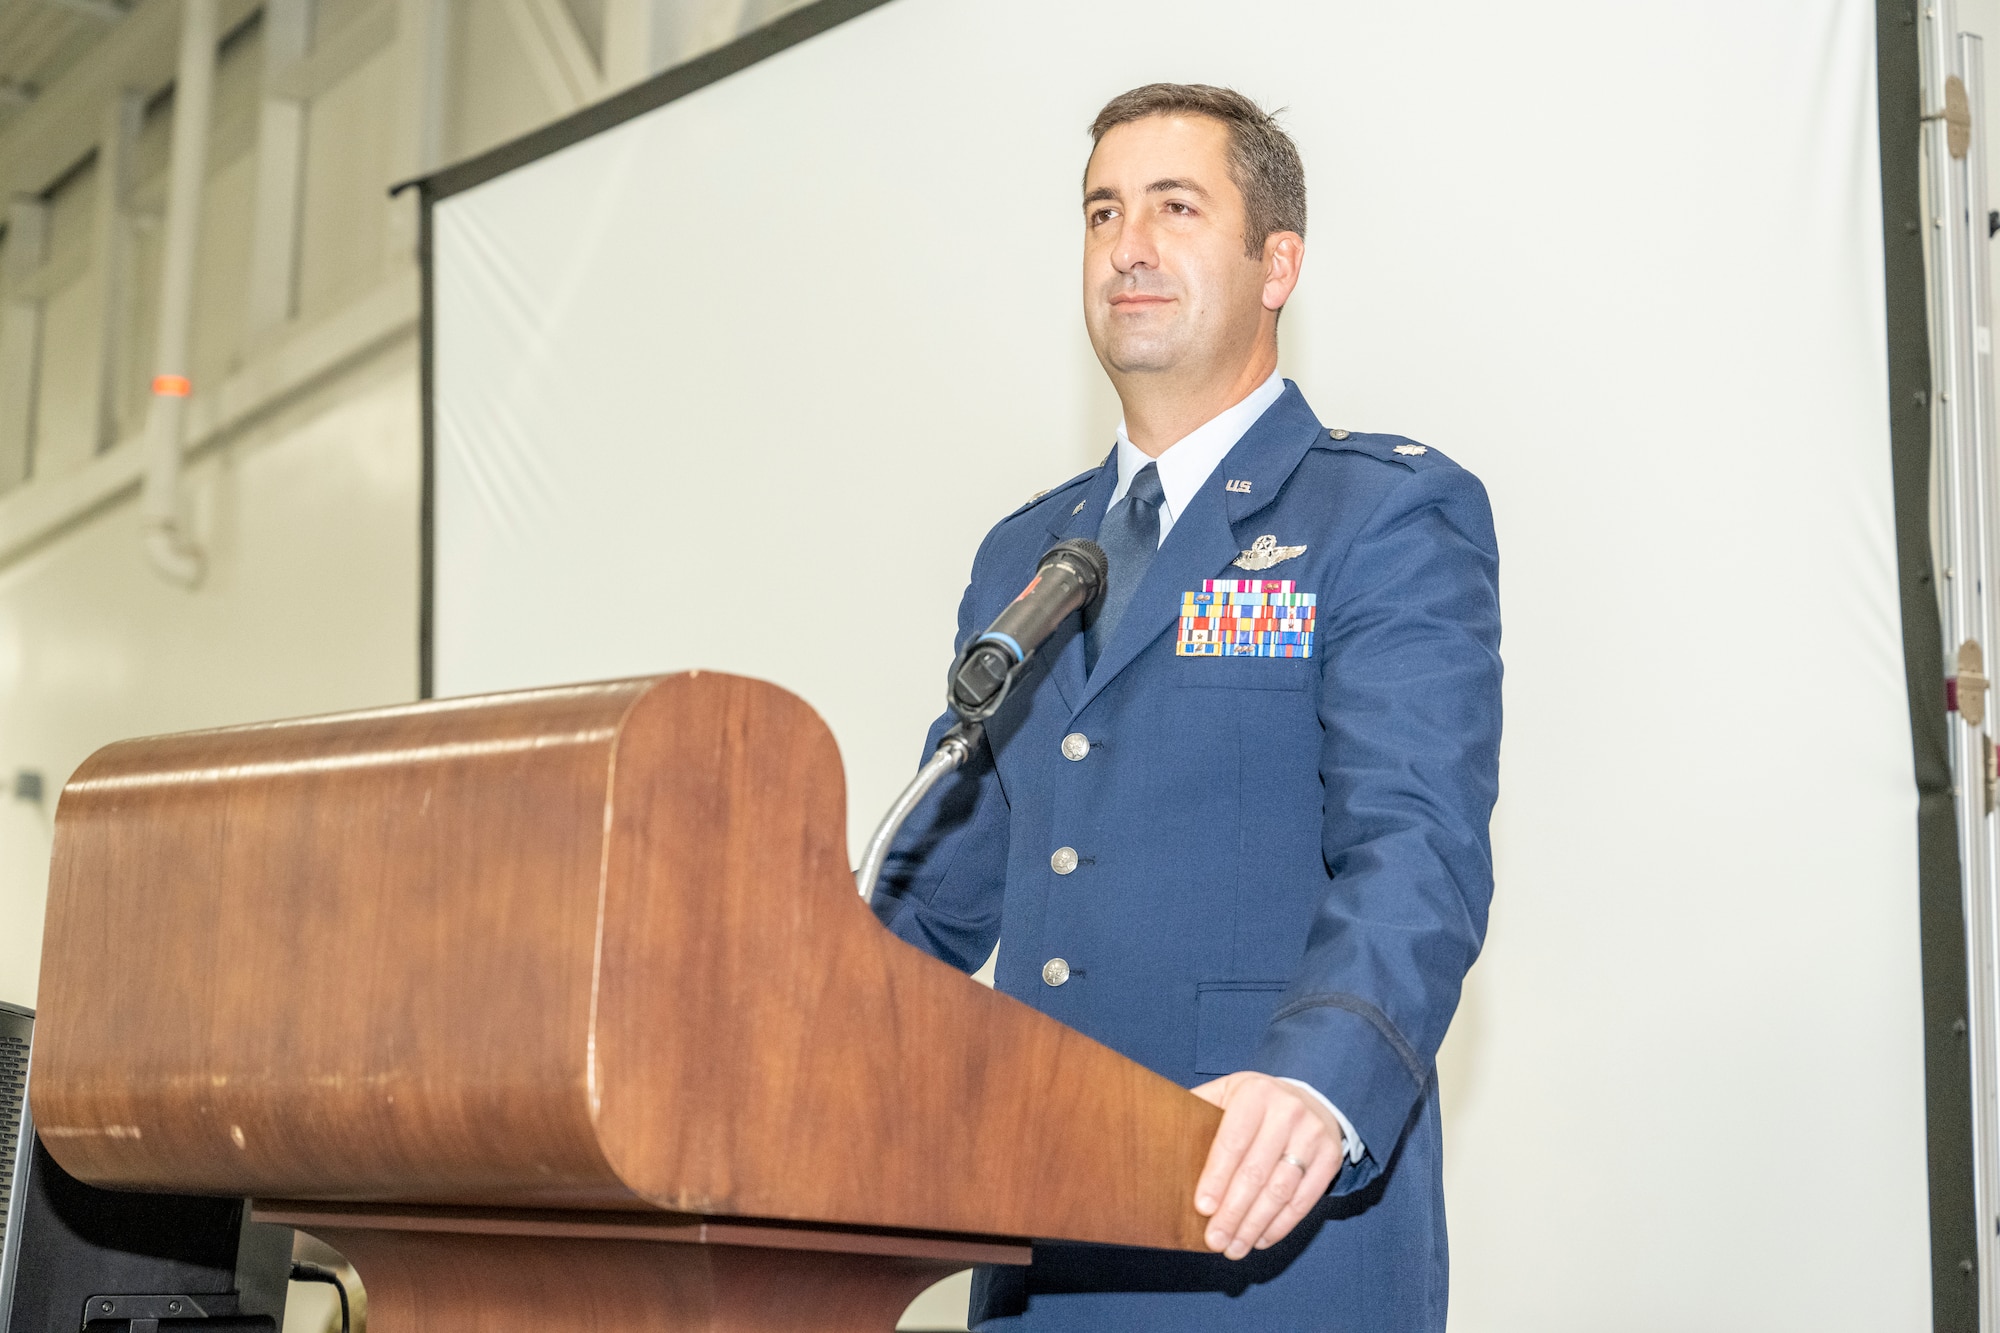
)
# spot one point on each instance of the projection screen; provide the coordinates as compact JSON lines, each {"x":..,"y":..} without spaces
{"x":741,"y":382}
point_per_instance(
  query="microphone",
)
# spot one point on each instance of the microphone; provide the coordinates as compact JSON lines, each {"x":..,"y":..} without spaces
{"x":1072,"y":575}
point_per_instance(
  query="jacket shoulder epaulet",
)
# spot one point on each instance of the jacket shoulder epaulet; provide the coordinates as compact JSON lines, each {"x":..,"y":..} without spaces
{"x":1389,"y":448}
{"x":1041,"y":497}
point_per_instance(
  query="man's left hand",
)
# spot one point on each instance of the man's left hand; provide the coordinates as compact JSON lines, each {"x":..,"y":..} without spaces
{"x":1253,"y":1186}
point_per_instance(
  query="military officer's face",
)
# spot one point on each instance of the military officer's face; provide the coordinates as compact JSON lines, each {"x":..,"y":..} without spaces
{"x":1167,"y":284}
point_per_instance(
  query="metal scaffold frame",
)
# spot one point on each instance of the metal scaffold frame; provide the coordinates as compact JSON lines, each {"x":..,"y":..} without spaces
{"x":1966,"y":508}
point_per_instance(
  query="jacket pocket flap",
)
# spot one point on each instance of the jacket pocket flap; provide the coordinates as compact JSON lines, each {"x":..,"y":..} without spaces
{"x":1230,"y":1018}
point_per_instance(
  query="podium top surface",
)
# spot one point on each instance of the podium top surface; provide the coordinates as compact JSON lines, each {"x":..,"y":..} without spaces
{"x":595,"y":947}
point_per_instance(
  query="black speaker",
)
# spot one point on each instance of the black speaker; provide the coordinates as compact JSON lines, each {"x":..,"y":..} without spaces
{"x":74,"y":1257}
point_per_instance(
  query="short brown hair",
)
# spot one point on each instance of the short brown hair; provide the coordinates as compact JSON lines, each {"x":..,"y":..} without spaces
{"x":1263,"y":160}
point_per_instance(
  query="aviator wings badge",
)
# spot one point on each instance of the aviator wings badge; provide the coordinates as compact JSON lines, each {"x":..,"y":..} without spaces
{"x":1265,"y":552}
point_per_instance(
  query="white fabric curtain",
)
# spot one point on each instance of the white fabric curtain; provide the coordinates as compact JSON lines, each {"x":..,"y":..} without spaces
{"x":740,"y":384}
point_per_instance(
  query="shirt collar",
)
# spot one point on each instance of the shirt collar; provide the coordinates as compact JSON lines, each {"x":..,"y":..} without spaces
{"x":1187,"y":462}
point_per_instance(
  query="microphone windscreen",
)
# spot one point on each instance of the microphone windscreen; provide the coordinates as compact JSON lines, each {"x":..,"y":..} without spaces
{"x":1093,"y":558}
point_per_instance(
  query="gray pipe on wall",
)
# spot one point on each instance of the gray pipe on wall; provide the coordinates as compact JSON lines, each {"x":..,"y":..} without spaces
{"x":164,"y":531}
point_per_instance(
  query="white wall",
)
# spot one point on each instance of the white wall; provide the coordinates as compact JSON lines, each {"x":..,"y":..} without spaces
{"x":310,"y":605}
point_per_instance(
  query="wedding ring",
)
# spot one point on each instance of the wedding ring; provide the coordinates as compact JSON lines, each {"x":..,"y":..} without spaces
{"x":1303,"y":1168}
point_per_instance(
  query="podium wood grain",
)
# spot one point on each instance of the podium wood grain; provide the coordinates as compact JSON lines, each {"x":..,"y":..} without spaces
{"x":499,"y":1271}
{"x":446,"y":1283}
{"x":591,"y":948}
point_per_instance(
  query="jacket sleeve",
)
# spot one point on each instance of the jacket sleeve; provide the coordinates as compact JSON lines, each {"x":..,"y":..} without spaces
{"x":946,"y":871}
{"x":1410,"y":705}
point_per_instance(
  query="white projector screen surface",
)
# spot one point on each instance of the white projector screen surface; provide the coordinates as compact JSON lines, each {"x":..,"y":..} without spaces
{"x":741,"y":383}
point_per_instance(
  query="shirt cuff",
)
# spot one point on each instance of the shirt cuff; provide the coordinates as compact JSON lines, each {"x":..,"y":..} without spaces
{"x":1355,"y":1148}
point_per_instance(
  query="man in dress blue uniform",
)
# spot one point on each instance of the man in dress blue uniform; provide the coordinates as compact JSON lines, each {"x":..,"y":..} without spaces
{"x":1235,"y":826}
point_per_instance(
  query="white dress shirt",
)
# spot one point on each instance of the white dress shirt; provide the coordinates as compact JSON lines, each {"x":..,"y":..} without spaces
{"x":1184,"y":465}
{"x":1187,"y":462}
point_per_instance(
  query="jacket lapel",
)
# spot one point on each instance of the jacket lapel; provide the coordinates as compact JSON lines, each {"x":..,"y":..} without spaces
{"x":1203,"y":540}
{"x":1064,"y":523}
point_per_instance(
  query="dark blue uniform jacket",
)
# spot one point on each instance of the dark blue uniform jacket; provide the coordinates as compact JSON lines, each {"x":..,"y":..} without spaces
{"x":1282,"y":862}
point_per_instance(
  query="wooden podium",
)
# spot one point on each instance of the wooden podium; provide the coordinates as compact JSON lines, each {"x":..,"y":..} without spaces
{"x":558,"y":1011}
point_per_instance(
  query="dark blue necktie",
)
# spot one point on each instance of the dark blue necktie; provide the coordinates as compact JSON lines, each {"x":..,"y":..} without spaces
{"x":1130,"y":535}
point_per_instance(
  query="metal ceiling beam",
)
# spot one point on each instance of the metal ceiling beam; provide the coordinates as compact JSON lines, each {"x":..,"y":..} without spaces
{"x":104,"y":11}
{"x":46,"y":138}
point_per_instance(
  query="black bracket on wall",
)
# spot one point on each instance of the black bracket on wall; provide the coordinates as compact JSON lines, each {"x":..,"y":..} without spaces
{"x":147,"y":1314}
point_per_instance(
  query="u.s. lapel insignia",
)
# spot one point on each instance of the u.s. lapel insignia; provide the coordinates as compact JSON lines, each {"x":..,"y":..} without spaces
{"x":1412,"y":450}
{"x":1079,"y":507}
{"x":1237,"y":487}
{"x":1265,"y":552}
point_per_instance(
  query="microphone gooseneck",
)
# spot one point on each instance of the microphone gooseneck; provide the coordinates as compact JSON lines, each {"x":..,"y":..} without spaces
{"x":1070,"y":577}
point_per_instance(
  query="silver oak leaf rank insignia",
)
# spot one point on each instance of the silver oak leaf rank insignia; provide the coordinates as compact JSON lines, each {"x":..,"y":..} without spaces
{"x":1265,"y":552}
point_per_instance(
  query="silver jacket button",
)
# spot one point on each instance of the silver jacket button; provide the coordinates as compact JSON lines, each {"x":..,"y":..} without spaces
{"x":1075,"y":746}
{"x":1055,"y":971}
{"x":1063,"y":861}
